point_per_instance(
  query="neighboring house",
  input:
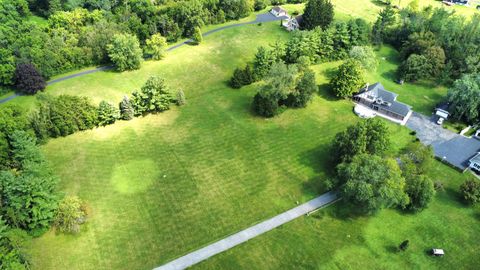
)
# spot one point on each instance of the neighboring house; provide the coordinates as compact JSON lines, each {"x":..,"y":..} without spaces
{"x":278,"y":11}
{"x":461,"y":2}
{"x":293,"y":23}
{"x":383,"y":103}
{"x":474,"y":162}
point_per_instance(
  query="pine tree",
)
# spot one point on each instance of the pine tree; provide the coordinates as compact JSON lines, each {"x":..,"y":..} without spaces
{"x":126,"y":109}
{"x":318,"y":13}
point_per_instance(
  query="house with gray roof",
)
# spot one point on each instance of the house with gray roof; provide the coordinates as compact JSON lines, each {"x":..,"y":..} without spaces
{"x":474,"y":162}
{"x":383,"y":103}
{"x":278,"y":11}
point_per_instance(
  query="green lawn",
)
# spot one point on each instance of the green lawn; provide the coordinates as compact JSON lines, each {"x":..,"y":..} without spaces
{"x":335,"y":239}
{"x":161,"y":186}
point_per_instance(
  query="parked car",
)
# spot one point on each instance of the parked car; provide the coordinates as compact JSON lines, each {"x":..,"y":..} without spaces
{"x":438,"y":252}
{"x":440,"y":120}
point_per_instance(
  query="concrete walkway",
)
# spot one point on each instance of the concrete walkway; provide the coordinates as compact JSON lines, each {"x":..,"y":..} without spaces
{"x":249,"y":233}
{"x":261,"y":18}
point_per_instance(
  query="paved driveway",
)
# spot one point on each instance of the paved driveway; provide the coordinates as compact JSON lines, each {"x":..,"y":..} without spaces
{"x":447,"y":145}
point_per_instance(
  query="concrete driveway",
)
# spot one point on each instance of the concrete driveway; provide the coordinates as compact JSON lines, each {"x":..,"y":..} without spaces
{"x":447,"y":145}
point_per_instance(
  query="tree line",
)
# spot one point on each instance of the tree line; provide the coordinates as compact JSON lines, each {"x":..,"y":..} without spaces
{"x":84,"y":33}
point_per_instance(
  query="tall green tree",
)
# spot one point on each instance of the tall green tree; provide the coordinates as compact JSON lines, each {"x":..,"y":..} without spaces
{"x":126,"y":109}
{"x":304,"y":90}
{"x":368,"y":136}
{"x":348,"y":79}
{"x":464,"y":98}
{"x":125,"y":52}
{"x":318,"y":13}
{"x":371,"y":183}
{"x":155,"y":46}
{"x":365,"y":56}
{"x":470,"y":191}
{"x":197,"y":36}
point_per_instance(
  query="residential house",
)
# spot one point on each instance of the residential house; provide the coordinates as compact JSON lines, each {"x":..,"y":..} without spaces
{"x":293,"y":23}
{"x":383,"y":103}
{"x":474,"y":162}
{"x":278,"y":11}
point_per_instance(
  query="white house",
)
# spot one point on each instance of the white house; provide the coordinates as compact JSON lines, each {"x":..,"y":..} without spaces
{"x":378,"y":101}
{"x":278,"y":11}
{"x":474,"y":162}
{"x":293,"y":23}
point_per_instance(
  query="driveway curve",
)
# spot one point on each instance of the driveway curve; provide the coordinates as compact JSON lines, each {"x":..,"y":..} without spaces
{"x":260,"y":18}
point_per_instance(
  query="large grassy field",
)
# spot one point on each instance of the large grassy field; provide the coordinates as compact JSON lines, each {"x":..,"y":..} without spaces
{"x":160,"y":186}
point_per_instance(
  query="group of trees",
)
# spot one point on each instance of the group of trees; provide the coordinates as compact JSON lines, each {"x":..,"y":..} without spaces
{"x":370,"y":179}
{"x":284,"y":86}
{"x":62,"y":115}
{"x":90,"y":32}
{"x":464,"y":98}
{"x":434,"y":43}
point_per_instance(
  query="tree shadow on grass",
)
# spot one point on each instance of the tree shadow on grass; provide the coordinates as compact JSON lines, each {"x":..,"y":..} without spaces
{"x":319,"y":158}
{"x":391,"y":249}
{"x":346,"y":211}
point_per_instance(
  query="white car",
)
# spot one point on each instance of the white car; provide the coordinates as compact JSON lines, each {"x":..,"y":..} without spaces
{"x":440,"y":120}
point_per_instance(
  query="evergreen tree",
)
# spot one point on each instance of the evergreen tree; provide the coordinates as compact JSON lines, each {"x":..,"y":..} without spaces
{"x":107,"y":113}
{"x":126,"y":109}
{"x":304,"y":90}
{"x":318,"y":13}
{"x":262,"y":63}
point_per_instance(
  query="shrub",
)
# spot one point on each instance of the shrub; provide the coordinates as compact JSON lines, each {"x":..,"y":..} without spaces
{"x":63,"y":115}
{"x":155,"y":46}
{"x":242,"y":77}
{"x":126,"y":109}
{"x":365,"y":56}
{"x":107,"y":113}
{"x":71,"y":213}
{"x":470,"y":191}
{"x":28,"y":80}
{"x":154,"y":96}
{"x":304,"y":90}
{"x":197,"y":37}
{"x":265,"y":105}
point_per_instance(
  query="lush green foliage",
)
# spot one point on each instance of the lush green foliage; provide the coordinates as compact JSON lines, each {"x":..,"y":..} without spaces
{"x":371,"y":183}
{"x":348,"y":79}
{"x":63,"y":115}
{"x":264,"y":59}
{"x":12,"y":118}
{"x":242,"y":77}
{"x":125,"y":52}
{"x":197,"y":36}
{"x":28,"y":80}
{"x":449,"y":44}
{"x":76,"y":33}
{"x":304,"y":90}
{"x":464,"y":98}
{"x":366,"y":137}
{"x":365,"y":56}
{"x":317,"y":13}
{"x":470,"y":191}
{"x":28,"y":197}
{"x":107,"y":114}
{"x":154,"y":96}
{"x":155,"y":46}
{"x":70,"y":214}
{"x":12,"y":247}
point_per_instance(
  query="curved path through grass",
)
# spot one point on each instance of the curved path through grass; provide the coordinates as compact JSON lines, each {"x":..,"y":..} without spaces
{"x":249,"y":233}
{"x":261,"y":18}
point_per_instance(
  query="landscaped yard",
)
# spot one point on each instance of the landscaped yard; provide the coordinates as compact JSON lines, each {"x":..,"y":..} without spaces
{"x":161,"y":186}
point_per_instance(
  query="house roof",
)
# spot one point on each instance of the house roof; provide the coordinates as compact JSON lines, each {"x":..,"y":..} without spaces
{"x":386,"y":99}
{"x":299,"y":19}
{"x":278,"y":9}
